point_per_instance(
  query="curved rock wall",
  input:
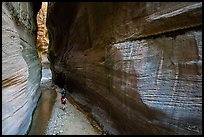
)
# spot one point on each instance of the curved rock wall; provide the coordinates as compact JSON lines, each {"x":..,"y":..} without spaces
{"x":137,"y":67}
{"x":21,"y":69}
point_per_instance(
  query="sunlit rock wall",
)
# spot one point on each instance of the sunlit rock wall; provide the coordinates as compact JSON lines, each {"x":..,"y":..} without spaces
{"x":42,"y":37}
{"x":21,"y":69}
{"x":137,"y":67}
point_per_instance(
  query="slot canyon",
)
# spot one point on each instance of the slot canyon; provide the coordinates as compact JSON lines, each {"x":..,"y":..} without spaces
{"x":135,"y":67}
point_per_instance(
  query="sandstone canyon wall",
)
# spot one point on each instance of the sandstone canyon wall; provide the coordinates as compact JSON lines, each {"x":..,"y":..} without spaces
{"x":137,"y":67}
{"x":21,"y":68}
{"x":42,"y":37}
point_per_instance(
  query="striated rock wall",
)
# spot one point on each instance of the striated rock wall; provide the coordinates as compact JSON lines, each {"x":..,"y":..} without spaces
{"x":42,"y":37}
{"x":21,"y":68}
{"x":137,"y":67}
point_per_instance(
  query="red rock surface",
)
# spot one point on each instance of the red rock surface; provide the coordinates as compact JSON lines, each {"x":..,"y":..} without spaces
{"x":136,"y":66}
{"x":42,"y":34}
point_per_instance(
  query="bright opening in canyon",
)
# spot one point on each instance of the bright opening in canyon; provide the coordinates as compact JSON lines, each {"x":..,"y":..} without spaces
{"x":42,"y":33}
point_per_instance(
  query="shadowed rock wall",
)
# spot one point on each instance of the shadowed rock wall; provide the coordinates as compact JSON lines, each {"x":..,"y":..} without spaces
{"x":21,"y":69}
{"x":137,"y":67}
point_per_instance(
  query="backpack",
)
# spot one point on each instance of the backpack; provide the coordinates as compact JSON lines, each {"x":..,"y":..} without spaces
{"x":63,"y":100}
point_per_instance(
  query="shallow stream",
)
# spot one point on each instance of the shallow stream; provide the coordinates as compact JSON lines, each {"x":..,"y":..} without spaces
{"x":44,"y":107}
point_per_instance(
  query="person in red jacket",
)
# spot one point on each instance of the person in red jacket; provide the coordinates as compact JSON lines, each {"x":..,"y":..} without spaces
{"x":63,"y":99}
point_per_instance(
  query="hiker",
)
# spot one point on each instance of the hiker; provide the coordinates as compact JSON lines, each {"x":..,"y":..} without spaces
{"x":63,"y":101}
{"x":63,"y":93}
{"x":63,"y":98}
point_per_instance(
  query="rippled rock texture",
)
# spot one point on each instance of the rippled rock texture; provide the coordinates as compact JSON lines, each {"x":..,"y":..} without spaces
{"x":21,"y":69}
{"x":137,"y":67}
{"x":42,"y":37}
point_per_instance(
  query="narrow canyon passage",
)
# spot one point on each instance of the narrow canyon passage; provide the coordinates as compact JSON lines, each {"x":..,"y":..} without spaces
{"x":128,"y":68}
{"x":48,"y":113}
{"x":46,"y":119}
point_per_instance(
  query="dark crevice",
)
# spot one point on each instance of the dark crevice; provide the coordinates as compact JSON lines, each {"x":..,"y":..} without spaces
{"x":36,"y":8}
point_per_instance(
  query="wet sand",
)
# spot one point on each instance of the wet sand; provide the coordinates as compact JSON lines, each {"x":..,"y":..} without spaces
{"x":69,"y":121}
